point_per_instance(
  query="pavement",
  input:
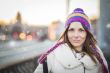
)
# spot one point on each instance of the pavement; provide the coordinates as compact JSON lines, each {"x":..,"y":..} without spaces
{"x":15,"y":52}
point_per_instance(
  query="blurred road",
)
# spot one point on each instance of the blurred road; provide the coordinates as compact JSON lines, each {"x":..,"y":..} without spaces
{"x":23,"y":55}
{"x":13,"y":52}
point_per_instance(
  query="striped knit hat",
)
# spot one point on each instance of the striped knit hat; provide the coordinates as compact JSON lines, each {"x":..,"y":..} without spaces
{"x":78,"y":15}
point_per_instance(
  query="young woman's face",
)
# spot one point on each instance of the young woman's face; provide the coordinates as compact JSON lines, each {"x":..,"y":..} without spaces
{"x":76,"y":34}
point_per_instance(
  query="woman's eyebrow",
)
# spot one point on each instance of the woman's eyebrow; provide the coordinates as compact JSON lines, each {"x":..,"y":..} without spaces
{"x":81,"y":28}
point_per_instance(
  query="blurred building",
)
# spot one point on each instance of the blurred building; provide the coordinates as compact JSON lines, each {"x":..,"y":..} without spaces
{"x":17,"y":30}
{"x":104,"y":24}
{"x":55,"y":30}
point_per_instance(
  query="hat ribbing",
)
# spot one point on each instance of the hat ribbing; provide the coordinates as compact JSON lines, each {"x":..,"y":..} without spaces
{"x":79,"y":15}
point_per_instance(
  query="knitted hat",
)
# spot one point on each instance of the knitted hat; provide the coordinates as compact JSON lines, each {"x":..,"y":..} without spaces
{"x":78,"y":15}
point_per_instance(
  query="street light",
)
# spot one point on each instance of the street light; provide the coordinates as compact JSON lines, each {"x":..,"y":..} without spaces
{"x":67,"y":6}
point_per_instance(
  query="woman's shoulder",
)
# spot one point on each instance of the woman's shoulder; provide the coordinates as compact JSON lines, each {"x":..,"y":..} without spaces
{"x":60,"y":49}
{"x":50,"y":52}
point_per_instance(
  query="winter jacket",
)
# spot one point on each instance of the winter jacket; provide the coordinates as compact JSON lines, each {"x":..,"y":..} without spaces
{"x":65,"y":60}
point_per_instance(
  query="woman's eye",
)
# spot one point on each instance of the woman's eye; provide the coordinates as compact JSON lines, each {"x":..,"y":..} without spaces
{"x":81,"y":30}
{"x":71,"y":29}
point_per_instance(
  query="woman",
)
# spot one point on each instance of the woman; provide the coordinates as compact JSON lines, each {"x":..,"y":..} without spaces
{"x":76,"y":51}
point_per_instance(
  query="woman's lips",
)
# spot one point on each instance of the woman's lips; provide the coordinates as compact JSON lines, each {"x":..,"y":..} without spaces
{"x":76,"y":41}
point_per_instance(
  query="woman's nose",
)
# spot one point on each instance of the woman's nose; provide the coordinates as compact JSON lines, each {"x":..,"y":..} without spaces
{"x":76,"y":34}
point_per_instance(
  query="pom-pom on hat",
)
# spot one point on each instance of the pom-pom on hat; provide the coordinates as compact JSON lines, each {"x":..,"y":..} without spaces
{"x":78,"y":15}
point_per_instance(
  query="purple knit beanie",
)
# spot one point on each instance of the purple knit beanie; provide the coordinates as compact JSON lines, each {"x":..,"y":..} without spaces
{"x":78,"y":15}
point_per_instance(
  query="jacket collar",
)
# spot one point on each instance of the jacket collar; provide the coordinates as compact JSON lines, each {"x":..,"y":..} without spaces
{"x":65,"y":57}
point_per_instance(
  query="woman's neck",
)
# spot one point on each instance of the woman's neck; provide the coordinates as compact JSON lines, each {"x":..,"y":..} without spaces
{"x":78,"y":49}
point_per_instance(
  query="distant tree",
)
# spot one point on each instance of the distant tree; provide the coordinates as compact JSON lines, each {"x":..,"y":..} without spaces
{"x":18,"y":17}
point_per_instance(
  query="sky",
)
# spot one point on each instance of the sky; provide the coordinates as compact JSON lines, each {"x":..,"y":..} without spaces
{"x":43,"y":12}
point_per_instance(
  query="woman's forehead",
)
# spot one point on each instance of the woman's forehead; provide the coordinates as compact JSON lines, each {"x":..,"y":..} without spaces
{"x":76,"y":25}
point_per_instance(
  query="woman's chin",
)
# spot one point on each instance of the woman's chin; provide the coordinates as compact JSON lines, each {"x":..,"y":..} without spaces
{"x":76,"y":44}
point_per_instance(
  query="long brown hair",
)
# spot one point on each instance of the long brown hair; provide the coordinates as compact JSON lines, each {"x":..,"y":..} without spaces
{"x":90,"y":40}
{"x":89,"y":47}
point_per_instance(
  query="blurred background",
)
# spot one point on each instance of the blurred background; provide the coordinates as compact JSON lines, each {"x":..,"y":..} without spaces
{"x":30,"y":27}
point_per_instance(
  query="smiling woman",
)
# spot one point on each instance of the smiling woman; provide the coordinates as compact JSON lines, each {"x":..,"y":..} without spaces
{"x":76,"y":51}
{"x":76,"y":35}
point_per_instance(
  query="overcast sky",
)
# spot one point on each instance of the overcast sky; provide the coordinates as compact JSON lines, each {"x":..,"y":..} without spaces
{"x":43,"y":11}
